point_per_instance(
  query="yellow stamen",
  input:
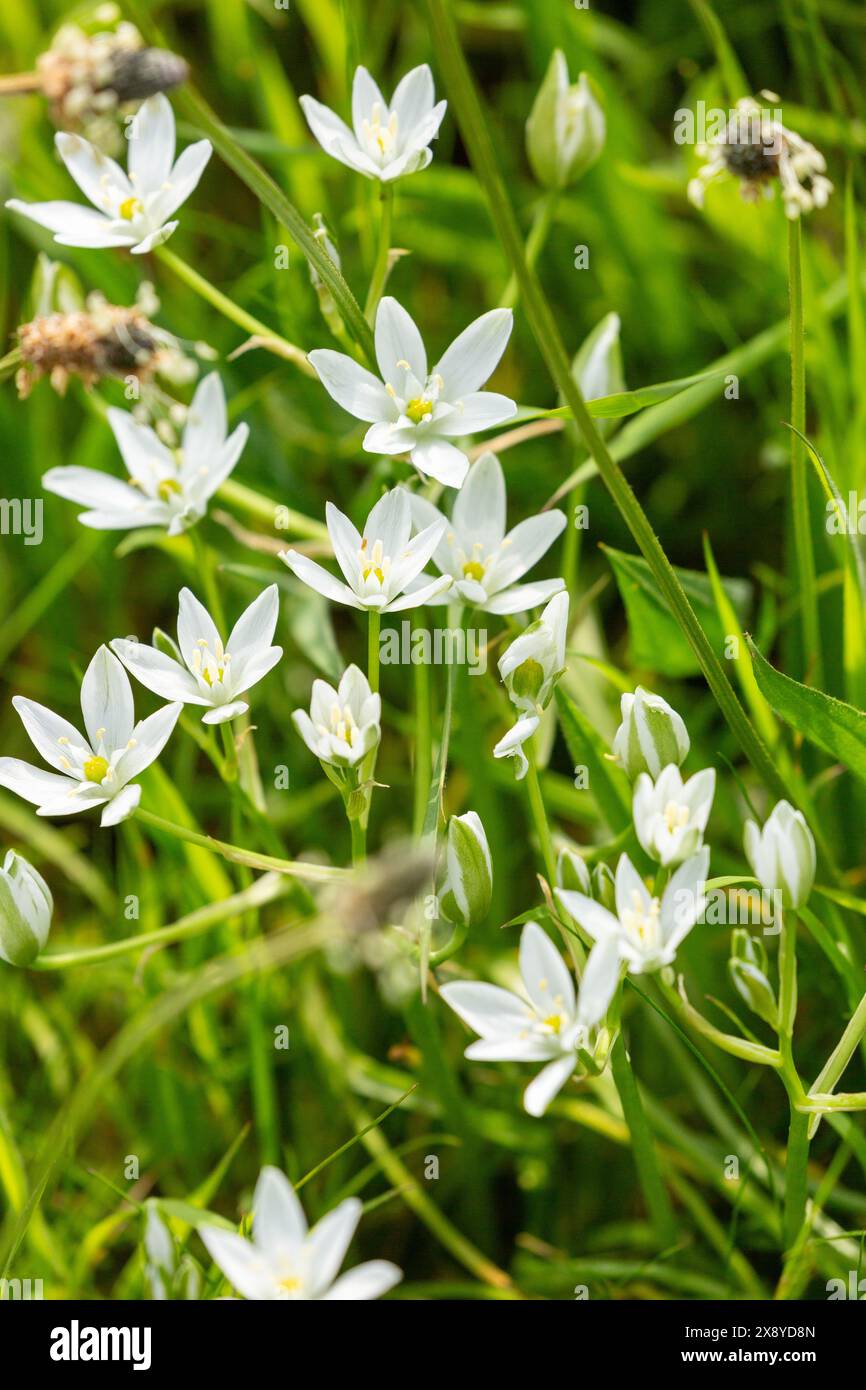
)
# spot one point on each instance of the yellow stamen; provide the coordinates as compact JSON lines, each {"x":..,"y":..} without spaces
{"x":130,"y":208}
{"x":418,"y":410}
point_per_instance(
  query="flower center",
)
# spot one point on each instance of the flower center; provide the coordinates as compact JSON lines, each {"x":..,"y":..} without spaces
{"x":374,"y":562}
{"x":676,"y":816}
{"x":553,"y":1022}
{"x":381,"y":140}
{"x":641,"y":920}
{"x":473,"y":569}
{"x":130,"y":208}
{"x":419,"y":410}
{"x":210,"y":666}
{"x":168,"y":488}
{"x":290,"y":1284}
{"x":343,"y":724}
{"x":95,"y":769}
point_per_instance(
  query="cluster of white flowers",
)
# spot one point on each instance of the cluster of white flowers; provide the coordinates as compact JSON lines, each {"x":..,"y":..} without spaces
{"x":633,"y":929}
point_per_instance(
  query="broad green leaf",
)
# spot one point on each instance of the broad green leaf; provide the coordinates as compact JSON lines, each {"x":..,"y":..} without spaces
{"x":657,"y":641}
{"x":830,"y":724}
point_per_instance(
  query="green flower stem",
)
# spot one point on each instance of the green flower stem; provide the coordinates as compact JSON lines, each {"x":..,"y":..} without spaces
{"x":728,"y":1042}
{"x":804,"y":557}
{"x":231,"y":751}
{"x":265,"y":890}
{"x":839,"y":1057}
{"x":797,"y":1157}
{"x":654,"y":1191}
{"x":539,"y":814}
{"x":423,"y":769}
{"x":538,"y":234}
{"x":787,"y":982}
{"x":262,"y":508}
{"x":373,"y":630}
{"x":819,"y":1102}
{"x":546,"y":332}
{"x":270,"y":340}
{"x":380,"y":267}
{"x":313,"y":873}
{"x":796,"y":1178}
{"x":368,"y":766}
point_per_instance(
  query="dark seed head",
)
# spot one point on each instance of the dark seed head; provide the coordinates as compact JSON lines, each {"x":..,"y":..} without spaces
{"x":753,"y":159}
{"x":143,"y":72}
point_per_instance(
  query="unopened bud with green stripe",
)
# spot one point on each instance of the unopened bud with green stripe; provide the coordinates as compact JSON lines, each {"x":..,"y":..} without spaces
{"x":469,"y":886}
{"x":26,"y":906}
{"x":651,"y":736}
{"x":747,"y":967}
{"x":572,"y":872}
{"x":566,"y":128}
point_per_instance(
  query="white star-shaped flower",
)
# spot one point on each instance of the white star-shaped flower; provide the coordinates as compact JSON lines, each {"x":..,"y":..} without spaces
{"x":670,"y":815}
{"x":286,"y":1261}
{"x":378,"y":566}
{"x":415,"y":411}
{"x":543,"y":1027}
{"x":387,"y":142}
{"x":164,"y":489}
{"x":343,"y":724}
{"x":645,"y":932}
{"x":204,"y":670}
{"x":129,"y":209}
{"x":483,"y":561}
{"x":92,"y":771}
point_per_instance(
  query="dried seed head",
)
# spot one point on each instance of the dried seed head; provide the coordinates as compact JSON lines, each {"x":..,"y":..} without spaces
{"x":753,"y":159}
{"x":102,"y":341}
{"x":87,"y":77}
{"x":140,"y":74}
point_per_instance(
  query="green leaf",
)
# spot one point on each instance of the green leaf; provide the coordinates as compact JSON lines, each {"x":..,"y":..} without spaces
{"x":830,"y":724}
{"x":607,"y":784}
{"x":622,"y":403}
{"x":657,"y":640}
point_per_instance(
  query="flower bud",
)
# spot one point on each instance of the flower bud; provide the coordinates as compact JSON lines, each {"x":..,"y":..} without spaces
{"x":651,"y":735}
{"x":604,"y":886}
{"x":534,"y":662}
{"x":566,"y":127}
{"x":26,"y":906}
{"x":469,"y":886}
{"x":572,"y":872}
{"x":747,"y":967}
{"x":782,"y":855}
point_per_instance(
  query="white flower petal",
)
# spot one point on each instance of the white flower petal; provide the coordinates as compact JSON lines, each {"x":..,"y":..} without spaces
{"x":33,"y":783}
{"x":389,"y":437}
{"x":352,"y":386}
{"x":365,"y":95}
{"x":194,"y":625}
{"x":474,"y":355}
{"x":546,"y":978}
{"x":183,"y":178}
{"x":89,"y":488}
{"x":279,"y":1224}
{"x":318,"y":578}
{"x":256,"y":626}
{"x":149,"y":737}
{"x":72,"y":224}
{"x":101,"y":180}
{"x":441,"y":460}
{"x":520,"y":598}
{"x":106,"y":702}
{"x":240,"y":1262}
{"x":158,"y":672}
{"x":221,"y":714}
{"x":526,"y":544}
{"x":330,"y":131}
{"x":346,"y":541}
{"x":547,"y":1084}
{"x":398,"y":342}
{"x":364,"y":1282}
{"x":480,"y":410}
{"x":328,"y":1243}
{"x":151,"y":145}
{"x":153,"y":239}
{"x":490,"y":1011}
{"x":599,"y":982}
{"x":413,"y":97}
{"x":479,"y":509}
{"x":206,"y":425}
{"x":147,"y":459}
{"x":121,"y":806}
{"x":48,"y":732}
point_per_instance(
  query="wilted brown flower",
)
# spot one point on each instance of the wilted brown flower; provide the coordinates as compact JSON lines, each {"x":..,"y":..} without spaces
{"x":103,"y":340}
